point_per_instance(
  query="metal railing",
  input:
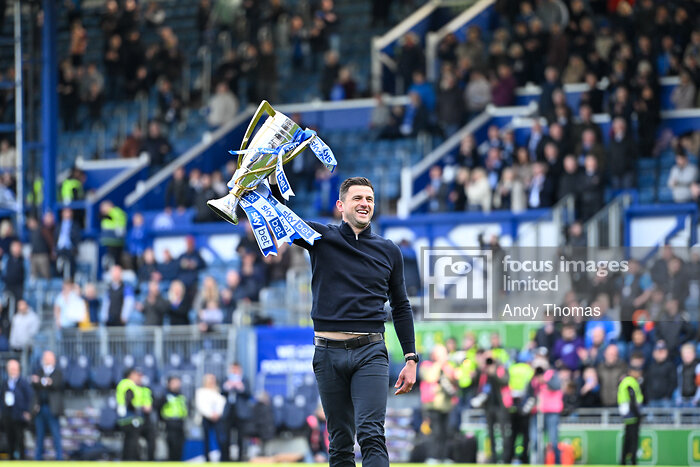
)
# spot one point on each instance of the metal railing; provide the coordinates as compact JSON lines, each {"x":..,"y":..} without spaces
{"x":433,"y":39}
{"x":605,"y":228}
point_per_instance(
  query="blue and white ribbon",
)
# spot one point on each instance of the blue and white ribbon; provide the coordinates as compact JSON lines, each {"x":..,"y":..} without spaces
{"x":272,"y":221}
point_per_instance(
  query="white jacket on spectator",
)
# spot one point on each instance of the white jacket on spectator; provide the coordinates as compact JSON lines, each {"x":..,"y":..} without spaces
{"x":24,"y":327}
{"x":679,"y":181}
{"x":209,"y":402}
{"x":223,"y":107}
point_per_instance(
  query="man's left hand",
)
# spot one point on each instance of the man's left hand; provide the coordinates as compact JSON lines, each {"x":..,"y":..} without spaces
{"x":407,"y":378}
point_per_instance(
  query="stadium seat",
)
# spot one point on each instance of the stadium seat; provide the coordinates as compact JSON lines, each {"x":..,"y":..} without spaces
{"x":79,"y":373}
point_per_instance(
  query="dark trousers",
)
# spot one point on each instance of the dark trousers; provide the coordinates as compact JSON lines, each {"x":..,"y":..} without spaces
{"x":630,"y":444}
{"x":239,"y":425}
{"x":46,"y":421}
{"x":218,"y":427}
{"x":498,"y":415}
{"x":519,"y":425}
{"x":14,"y":429}
{"x":131,"y":450}
{"x":175,"y":437}
{"x":439,"y":427}
{"x":353,"y":386}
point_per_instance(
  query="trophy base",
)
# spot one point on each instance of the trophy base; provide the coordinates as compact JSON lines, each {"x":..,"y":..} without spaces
{"x":225,"y":208}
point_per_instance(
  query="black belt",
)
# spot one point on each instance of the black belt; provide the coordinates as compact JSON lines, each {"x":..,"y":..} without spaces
{"x":353,"y":343}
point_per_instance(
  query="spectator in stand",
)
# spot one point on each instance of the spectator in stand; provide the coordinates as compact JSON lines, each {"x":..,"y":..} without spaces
{"x":67,"y":243}
{"x":438,"y":391}
{"x":15,"y":409}
{"x":190,"y":263}
{"x":131,"y":147}
{"x":13,"y":273}
{"x":473,"y":48}
{"x":410,"y":59}
{"x":567,"y":348}
{"x":42,"y":240}
{"x":510,"y":192}
{"x":148,"y":268}
{"x":416,"y":118}
{"x":8,"y":156}
{"x":178,"y":309}
{"x":331,"y":22}
{"x":329,"y":73}
{"x":503,"y":86}
{"x":267,"y":77}
{"x":681,"y":178}
{"x":437,"y":190}
{"x":591,"y":188}
{"x":673,"y":326}
{"x":660,"y":378}
{"x":137,"y":240}
{"x":25,"y":326}
{"x":119,"y":300}
{"x":168,"y":268}
{"x":479,"y":194}
{"x":683,"y":95}
{"x":688,"y":394}
{"x":68,"y":309}
{"x":551,"y":83}
{"x":570,"y":180}
{"x":477,"y":93}
{"x":640,"y":345}
{"x":113,"y":230}
{"x":113,"y":61}
{"x":541,"y":189}
{"x":424,"y":89}
{"x":590,"y":388}
{"x":223,"y":106}
{"x":610,"y":371}
{"x":238,"y":411}
{"x":178,"y":194}
{"x":205,"y":193}
{"x":156,"y":145}
{"x":589,"y":145}
{"x":252,"y":278}
{"x":621,"y":155}
{"x":210,"y":405}
{"x":169,"y":103}
{"x":47,"y":382}
{"x":92,"y":302}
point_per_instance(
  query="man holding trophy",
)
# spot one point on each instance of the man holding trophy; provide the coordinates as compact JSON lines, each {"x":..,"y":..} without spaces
{"x":354,"y":272}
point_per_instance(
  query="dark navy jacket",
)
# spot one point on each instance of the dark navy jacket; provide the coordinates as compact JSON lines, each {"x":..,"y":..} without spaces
{"x":23,"y":397}
{"x":352,"y":278}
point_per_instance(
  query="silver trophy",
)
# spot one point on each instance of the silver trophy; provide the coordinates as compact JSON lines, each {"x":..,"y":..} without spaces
{"x":275,"y":143}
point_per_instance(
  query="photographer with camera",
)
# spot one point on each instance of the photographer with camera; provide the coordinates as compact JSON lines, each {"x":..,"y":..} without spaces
{"x":546,"y":402}
{"x":495,"y":398}
{"x":438,"y":393}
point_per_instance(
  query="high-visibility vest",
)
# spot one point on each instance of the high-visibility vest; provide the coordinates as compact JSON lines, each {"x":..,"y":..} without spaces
{"x":142,"y":398}
{"x":519,"y":376}
{"x":71,"y":189}
{"x":175,"y":407}
{"x":114,"y":227}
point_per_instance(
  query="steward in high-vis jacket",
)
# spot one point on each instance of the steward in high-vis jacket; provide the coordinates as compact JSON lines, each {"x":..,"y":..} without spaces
{"x":629,"y":398}
{"x":173,"y":411}
{"x":134,"y":403}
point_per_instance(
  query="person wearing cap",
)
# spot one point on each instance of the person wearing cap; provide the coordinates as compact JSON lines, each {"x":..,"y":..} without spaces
{"x":629,"y":398}
{"x":134,"y":402}
{"x":172,"y":408}
{"x":660,"y":377}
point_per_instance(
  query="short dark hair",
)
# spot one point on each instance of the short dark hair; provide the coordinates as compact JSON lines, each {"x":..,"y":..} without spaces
{"x":352,"y":181}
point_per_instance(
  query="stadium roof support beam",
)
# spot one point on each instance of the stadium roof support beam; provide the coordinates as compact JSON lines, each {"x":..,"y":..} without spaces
{"x":49,"y":99}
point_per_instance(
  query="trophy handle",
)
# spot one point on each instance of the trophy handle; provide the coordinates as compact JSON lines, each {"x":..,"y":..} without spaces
{"x":263,"y":108}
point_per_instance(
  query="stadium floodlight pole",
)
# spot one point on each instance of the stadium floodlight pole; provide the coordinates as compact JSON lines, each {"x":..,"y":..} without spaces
{"x":49,"y":101}
{"x":19,"y":115}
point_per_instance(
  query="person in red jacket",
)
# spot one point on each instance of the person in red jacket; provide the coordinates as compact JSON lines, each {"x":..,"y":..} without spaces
{"x":547,"y":401}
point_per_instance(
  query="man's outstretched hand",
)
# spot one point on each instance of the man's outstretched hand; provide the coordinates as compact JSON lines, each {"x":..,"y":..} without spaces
{"x":407,"y":378}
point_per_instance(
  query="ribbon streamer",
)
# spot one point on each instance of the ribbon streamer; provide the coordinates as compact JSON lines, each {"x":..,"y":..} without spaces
{"x":272,"y":221}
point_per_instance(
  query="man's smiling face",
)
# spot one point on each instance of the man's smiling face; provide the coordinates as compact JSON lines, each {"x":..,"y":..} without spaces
{"x":357,"y":206}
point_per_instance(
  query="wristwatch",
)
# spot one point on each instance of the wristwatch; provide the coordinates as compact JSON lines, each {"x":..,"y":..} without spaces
{"x":413,"y":357}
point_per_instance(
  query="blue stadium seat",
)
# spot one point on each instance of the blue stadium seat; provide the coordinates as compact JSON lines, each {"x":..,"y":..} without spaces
{"x":79,"y":373}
